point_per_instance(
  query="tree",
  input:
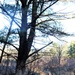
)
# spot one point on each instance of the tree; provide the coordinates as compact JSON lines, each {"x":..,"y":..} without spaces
{"x":36,"y":10}
{"x":55,"y":64}
{"x":71,"y":51}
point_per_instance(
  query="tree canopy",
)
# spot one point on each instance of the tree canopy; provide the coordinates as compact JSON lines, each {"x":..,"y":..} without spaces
{"x":28,"y":18}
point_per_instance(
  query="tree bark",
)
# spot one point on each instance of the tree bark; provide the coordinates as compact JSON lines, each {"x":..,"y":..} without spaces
{"x":25,"y":43}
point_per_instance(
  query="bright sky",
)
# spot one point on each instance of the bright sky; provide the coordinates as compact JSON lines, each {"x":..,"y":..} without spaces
{"x":68,"y":24}
{"x":67,"y":7}
{"x":62,"y":7}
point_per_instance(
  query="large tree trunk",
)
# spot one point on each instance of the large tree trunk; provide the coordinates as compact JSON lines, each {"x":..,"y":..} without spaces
{"x":22,"y":56}
{"x":25,"y":43}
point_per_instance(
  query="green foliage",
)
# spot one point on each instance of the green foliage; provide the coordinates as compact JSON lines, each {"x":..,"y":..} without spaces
{"x":54,"y":49}
{"x":71,"y":51}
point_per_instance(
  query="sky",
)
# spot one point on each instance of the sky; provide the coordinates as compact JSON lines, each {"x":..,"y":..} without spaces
{"x":69,"y":8}
{"x":62,"y":7}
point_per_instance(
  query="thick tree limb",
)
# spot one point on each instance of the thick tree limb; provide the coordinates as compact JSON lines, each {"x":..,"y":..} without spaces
{"x":40,"y":49}
{"x":24,"y":3}
{"x":32,"y":30}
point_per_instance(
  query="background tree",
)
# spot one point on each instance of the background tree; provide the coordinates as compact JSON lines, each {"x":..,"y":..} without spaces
{"x":71,"y":51}
{"x":57,"y":64}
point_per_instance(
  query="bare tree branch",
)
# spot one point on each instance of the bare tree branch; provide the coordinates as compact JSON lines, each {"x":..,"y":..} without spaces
{"x":9,"y":15}
{"x":40,"y":49}
{"x":42,"y":12}
{"x":32,"y":60}
{"x":2,"y":41}
{"x":7,"y":35}
{"x":44,"y":21}
{"x":9,"y":54}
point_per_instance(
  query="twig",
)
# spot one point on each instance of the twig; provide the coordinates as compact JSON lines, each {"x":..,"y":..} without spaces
{"x":9,"y":54}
